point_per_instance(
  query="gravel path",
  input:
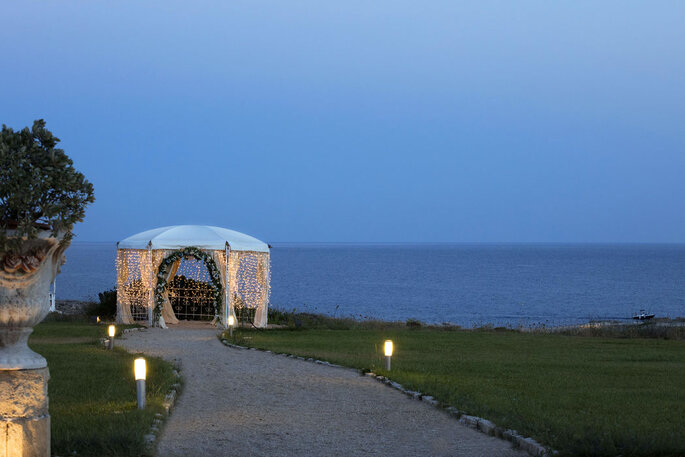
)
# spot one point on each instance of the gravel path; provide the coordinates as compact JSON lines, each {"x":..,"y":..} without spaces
{"x":251,"y":403}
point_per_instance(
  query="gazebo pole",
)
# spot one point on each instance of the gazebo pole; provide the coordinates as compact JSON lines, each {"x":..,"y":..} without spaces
{"x":227,"y":281}
{"x":268,"y":286}
{"x":152,"y":289}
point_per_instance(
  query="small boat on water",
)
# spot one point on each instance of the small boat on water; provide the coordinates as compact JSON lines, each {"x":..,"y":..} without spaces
{"x":642,"y":315}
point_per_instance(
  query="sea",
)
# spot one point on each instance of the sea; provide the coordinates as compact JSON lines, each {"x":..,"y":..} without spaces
{"x":512,"y":285}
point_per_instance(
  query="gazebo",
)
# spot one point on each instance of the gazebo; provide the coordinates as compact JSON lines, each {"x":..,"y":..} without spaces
{"x":193,"y":272}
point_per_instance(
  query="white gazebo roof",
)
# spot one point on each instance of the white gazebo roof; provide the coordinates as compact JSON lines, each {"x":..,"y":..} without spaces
{"x":200,"y":236}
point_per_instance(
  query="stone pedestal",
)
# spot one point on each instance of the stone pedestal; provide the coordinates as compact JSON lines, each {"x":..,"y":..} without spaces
{"x":24,"y":418}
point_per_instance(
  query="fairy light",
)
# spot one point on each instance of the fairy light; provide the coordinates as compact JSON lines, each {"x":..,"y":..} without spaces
{"x":249,"y":274}
{"x":191,"y":290}
{"x":133,"y":281}
{"x":248,"y":279}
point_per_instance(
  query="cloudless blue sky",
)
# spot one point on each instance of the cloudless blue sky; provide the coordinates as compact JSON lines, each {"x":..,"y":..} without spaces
{"x":362,"y":121}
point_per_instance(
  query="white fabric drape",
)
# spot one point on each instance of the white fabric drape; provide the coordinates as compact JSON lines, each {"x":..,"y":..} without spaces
{"x":167,"y":310}
{"x":262,"y":311}
{"x":219,"y":258}
{"x":124,"y":313}
{"x":233,"y":265}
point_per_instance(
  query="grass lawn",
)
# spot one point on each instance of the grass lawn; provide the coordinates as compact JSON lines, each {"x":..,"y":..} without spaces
{"x":93,"y":394}
{"x":585,"y":396}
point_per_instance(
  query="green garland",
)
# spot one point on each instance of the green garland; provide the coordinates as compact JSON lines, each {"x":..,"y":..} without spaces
{"x":189,"y":252}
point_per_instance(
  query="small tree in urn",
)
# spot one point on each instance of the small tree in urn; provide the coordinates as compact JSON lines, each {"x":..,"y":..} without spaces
{"x":41,"y":197}
{"x":39,"y":187}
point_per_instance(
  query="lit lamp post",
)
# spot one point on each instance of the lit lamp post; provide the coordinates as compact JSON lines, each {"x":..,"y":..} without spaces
{"x":388,"y":353}
{"x":231,"y":323}
{"x":111,"y":330}
{"x":139,"y":371}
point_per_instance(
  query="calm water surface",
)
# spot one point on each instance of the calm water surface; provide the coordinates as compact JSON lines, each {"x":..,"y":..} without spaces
{"x":466,"y":284}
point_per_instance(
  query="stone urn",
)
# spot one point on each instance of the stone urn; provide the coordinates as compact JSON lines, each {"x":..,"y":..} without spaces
{"x":25,"y":278}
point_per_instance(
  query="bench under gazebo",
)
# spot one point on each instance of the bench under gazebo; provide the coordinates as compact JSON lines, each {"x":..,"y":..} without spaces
{"x":192,"y":272}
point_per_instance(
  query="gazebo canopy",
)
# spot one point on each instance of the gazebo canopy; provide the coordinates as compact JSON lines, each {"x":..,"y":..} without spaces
{"x":199,"y":236}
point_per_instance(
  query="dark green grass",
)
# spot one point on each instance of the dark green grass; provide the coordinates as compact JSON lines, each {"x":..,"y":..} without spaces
{"x":63,"y":330}
{"x":582,"y":396}
{"x":93,"y":393}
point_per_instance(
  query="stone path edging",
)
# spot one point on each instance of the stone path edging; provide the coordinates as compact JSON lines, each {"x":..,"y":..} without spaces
{"x":529,"y":445}
{"x":168,"y":404}
{"x":105,"y":340}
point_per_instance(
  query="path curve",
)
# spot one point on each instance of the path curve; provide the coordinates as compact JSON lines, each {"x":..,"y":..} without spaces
{"x":252,"y":403}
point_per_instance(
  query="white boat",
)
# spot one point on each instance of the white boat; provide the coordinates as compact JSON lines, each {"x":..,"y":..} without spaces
{"x":642,"y":315}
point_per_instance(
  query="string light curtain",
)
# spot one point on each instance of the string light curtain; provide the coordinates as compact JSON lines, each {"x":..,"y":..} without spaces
{"x":249,"y":283}
{"x":133,"y":284}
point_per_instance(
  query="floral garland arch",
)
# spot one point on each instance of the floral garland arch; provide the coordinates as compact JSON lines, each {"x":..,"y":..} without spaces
{"x":187,"y":253}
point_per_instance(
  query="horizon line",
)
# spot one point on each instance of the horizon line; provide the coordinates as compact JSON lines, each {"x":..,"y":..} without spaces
{"x":440,"y":242}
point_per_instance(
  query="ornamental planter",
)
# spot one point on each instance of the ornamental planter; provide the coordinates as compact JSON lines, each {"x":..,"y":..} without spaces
{"x":25,"y":278}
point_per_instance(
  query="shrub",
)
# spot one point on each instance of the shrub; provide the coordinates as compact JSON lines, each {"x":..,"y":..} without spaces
{"x":39,"y":187}
{"x":107,"y":307}
{"x":413,"y":323}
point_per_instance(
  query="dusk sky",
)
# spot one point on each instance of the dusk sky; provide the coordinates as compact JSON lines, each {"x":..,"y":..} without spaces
{"x":362,"y":121}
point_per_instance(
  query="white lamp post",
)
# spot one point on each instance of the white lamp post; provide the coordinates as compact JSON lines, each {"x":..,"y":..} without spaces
{"x":139,"y":370}
{"x":388,"y":353}
{"x":231,"y":323}
{"x":111,"y":331}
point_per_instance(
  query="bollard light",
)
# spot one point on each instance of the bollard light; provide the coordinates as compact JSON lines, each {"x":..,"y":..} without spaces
{"x":111,"y":331}
{"x":139,"y":371}
{"x":388,"y":348}
{"x":231,"y":323}
{"x":388,"y":353}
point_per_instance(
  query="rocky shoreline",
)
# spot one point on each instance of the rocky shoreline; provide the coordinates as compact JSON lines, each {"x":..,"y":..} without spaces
{"x":72,"y":307}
